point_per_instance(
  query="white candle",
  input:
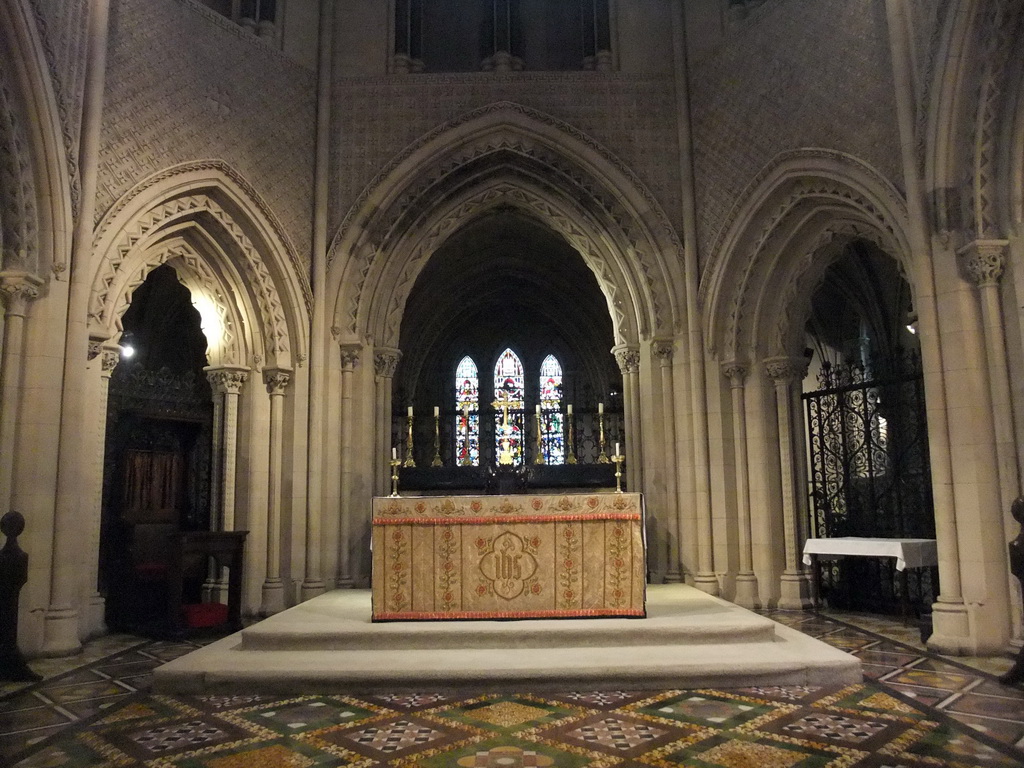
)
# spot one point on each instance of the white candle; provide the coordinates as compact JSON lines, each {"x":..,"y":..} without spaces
{"x":600,"y":408}
{"x":570,"y":409}
{"x":538,"y":410}
{"x":410,"y":411}
{"x":616,"y":449}
{"x":394,"y":454}
{"x":435,"y":411}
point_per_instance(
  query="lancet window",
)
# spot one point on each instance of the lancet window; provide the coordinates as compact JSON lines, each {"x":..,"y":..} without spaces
{"x":467,"y":419}
{"x":551,"y":428}
{"x":509,"y":402}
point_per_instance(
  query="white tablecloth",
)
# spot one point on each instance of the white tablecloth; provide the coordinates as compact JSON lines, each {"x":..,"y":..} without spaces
{"x":909,"y":553}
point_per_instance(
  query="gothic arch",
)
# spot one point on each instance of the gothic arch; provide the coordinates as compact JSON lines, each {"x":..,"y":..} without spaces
{"x":225,"y":241}
{"x":35,"y":183}
{"x":505,"y":155}
{"x":784,"y":232}
{"x":972,"y":117}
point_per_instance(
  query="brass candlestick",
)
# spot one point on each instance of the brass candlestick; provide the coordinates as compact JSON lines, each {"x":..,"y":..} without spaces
{"x":395,"y":464}
{"x":409,"y":460}
{"x":437,"y":443}
{"x":602,"y":457}
{"x":539,"y":457}
{"x":618,"y":458}
{"x":571,"y":459}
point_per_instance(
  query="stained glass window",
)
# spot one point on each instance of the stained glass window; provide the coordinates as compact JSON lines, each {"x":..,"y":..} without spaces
{"x":509,"y":404}
{"x":467,"y":419}
{"x":552,"y":439}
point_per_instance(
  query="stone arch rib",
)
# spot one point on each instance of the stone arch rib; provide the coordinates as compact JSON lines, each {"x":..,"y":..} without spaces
{"x":618,"y":208}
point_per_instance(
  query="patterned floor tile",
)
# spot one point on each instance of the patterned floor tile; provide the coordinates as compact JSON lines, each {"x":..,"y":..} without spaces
{"x":307,"y":713}
{"x":601,"y":699}
{"x":1006,"y":731}
{"x":501,"y":753}
{"x":612,"y":733}
{"x":927,"y":697}
{"x":783,"y":692}
{"x":703,"y":708}
{"x":168,"y":738}
{"x":948,"y":681}
{"x":388,"y":739}
{"x":412,"y":701}
{"x":284,"y":753}
{"x":729,"y":750}
{"x":507,"y":713}
{"x":940,"y":742}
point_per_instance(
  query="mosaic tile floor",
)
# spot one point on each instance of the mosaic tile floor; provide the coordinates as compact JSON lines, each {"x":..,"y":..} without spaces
{"x":913,"y":709}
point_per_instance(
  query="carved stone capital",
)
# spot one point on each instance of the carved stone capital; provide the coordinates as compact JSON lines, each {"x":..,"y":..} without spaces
{"x":983,"y":260}
{"x":350,"y":355}
{"x":110,"y":357}
{"x":17,"y":289}
{"x":385,"y":361}
{"x":628,"y":359}
{"x":94,"y":349}
{"x":227,"y":380}
{"x":786,"y":369}
{"x":663,"y":350}
{"x":736,"y":371}
{"x":276,"y":380}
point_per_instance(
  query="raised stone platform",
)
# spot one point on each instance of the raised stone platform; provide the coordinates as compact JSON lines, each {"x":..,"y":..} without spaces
{"x":688,"y":640}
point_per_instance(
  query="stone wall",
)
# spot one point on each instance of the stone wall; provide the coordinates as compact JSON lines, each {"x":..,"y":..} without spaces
{"x":184,"y":83}
{"x":800,"y":74}
{"x":632,"y":116}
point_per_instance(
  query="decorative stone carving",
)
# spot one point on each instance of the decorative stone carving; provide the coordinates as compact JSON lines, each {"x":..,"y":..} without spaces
{"x":983,"y":260}
{"x":385,"y":361}
{"x":628,"y":359}
{"x":227,"y":381}
{"x":663,"y":350}
{"x":786,"y":369}
{"x":17,"y":289}
{"x":350,"y":355}
{"x":276,"y":380}
{"x":110,"y":358}
{"x":736,"y":372}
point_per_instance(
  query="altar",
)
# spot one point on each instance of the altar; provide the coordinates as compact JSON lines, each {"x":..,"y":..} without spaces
{"x":508,"y":557}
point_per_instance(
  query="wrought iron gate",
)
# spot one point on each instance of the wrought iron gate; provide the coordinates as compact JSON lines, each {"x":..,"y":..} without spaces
{"x":869,"y":476}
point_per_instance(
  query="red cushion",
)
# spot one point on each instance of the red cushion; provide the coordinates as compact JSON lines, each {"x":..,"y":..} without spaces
{"x":205,"y":614}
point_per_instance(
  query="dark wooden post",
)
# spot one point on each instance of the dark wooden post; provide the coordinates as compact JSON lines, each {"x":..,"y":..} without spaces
{"x":1016,"y":673}
{"x":13,"y":575}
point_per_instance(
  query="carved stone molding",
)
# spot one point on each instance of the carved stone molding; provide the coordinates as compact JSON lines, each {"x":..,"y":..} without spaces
{"x":983,"y":260}
{"x":736,"y":371}
{"x":786,"y":369}
{"x":350,"y":355}
{"x":628,"y":359}
{"x":17,"y":289}
{"x":385,"y":361}
{"x":227,"y":381}
{"x":276,"y":380}
{"x":663,"y":350}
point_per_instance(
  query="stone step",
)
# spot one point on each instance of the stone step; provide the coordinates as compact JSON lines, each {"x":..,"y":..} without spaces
{"x":606,"y":654}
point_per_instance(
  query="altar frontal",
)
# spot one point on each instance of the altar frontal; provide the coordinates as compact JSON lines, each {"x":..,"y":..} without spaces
{"x":508,"y":557}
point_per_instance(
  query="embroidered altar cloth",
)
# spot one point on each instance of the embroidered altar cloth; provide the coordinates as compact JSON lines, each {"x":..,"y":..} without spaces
{"x":508,"y":557}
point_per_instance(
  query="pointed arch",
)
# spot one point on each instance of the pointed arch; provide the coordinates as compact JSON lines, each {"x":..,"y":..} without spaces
{"x":505,"y":155}
{"x":510,"y":400}
{"x":552,"y":439}
{"x":215,"y":228}
{"x":789,"y":225}
{"x":38,"y":205}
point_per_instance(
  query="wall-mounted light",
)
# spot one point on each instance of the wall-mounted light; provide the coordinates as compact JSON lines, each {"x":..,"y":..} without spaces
{"x":209,"y":320}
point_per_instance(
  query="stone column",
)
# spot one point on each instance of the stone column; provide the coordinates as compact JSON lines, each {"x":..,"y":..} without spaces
{"x":349,"y":358}
{"x":227,"y":382}
{"x":273,"y":588}
{"x":628,"y":359}
{"x":17,"y":289}
{"x":110,"y":356}
{"x":746,"y":581}
{"x":983,"y":261}
{"x":787,"y":372}
{"x":663,"y":351}
{"x":385,"y":360}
